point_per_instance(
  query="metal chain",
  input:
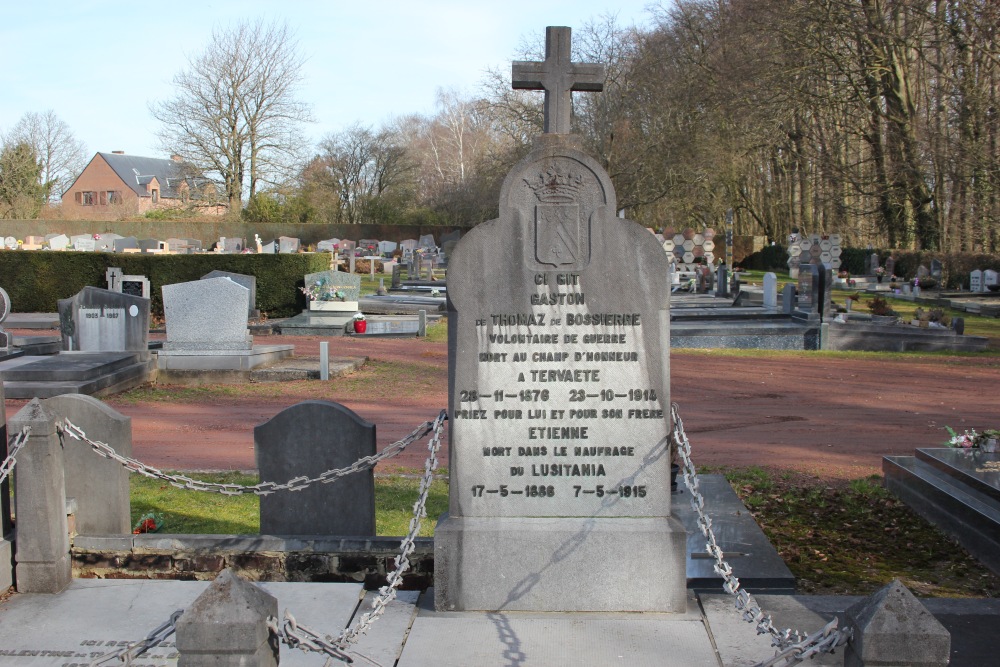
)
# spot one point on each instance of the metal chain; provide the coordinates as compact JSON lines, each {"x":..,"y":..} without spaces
{"x":132,"y":651}
{"x":14,"y":446}
{"x":262,"y":489}
{"x":298,"y":636}
{"x":793,"y":645}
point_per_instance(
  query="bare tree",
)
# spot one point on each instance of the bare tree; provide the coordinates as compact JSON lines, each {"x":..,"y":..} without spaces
{"x":60,"y":155}
{"x":235,"y":113}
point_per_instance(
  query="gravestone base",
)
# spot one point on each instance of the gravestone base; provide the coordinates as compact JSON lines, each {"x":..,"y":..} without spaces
{"x":560,"y":564}
{"x":209,"y":360}
{"x":44,"y":577}
{"x":6,"y":564}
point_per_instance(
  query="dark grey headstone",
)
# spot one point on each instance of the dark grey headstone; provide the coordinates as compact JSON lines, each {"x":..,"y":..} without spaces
{"x":126,"y":243}
{"x":722,"y":281}
{"x":308,"y":439}
{"x":134,"y":286}
{"x":936,"y":269}
{"x":99,"y":485}
{"x":150,"y":244}
{"x":958,"y":324}
{"x":890,"y":266}
{"x":809,"y":290}
{"x":250,"y":282}
{"x":923,"y":271}
{"x":97,"y":319}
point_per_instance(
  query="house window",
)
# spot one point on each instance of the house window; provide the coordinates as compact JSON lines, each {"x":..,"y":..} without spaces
{"x":156,"y":196}
{"x":87,"y":198}
{"x":114,"y":197}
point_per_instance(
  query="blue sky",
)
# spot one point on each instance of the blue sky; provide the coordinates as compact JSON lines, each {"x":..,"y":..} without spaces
{"x":98,"y":64}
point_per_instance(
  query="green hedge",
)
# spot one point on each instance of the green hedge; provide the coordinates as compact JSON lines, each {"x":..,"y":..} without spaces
{"x":35,"y":280}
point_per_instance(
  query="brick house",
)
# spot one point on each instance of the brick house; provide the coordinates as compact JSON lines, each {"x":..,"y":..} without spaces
{"x":114,"y":184}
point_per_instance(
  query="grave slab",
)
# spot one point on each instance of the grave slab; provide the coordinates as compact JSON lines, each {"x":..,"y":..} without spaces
{"x":92,"y":373}
{"x":94,"y":616}
{"x":443,"y":639}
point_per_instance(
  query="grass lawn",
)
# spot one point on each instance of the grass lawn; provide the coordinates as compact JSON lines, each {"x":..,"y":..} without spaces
{"x":838,"y":538}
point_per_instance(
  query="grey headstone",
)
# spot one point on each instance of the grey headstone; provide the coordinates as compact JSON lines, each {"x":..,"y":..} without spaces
{"x":923,"y":271}
{"x":126,"y":243}
{"x":893,"y":628}
{"x":308,"y":439}
{"x":809,"y":290}
{"x":873,"y":264}
{"x":76,"y":238}
{"x":58,"y":242}
{"x":328,"y":283}
{"x":936,"y":269}
{"x":770,"y":290}
{"x":288,"y":245}
{"x":426,"y":241}
{"x":890,"y":266}
{"x":194,"y":244}
{"x":990,"y":279}
{"x":722,"y":281}
{"x":408,"y":246}
{"x":330,"y":245}
{"x":99,"y":485}
{"x":5,"y":338}
{"x":43,"y":563}
{"x":825,"y":291}
{"x":347,"y":245}
{"x":387,"y":247}
{"x":269,"y":248}
{"x":976,"y":281}
{"x":85,"y":245}
{"x":226,"y":626}
{"x":958,"y":324}
{"x":150,"y":244}
{"x":96,"y":319}
{"x":207,"y":315}
{"x":552,"y":307}
{"x":250,"y":282}
{"x":113,"y":276}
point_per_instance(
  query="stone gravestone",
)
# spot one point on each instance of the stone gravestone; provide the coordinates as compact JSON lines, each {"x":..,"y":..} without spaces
{"x":308,"y":439}
{"x":923,"y":271}
{"x":126,"y":243}
{"x":113,"y":276}
{"x":990,"y":280}
{"x":250,"y":282}
{"x":135,"y":285}
{"x":269,"y":248}
{"x":559,"y":391}
{"x":99,"y":320}
{"x":206,"y":315}
{"x":58,"y":241}
{"x":722,"y":281}
{"x":770,"y":290}
{"x":976,"y":281}
{"x":426,"y":242}
{"x":807,"y":307}
{"x":5,"y":338}
{"x":872,"y":264}
{"x":99,"y":485}
{"x":329,"y":245}
{"x":334,"y":291}
{"x":387,"y":247}
{"x":83,"y":242}
{"x":890,"y":266}
{"x":937,"y":270}
{"x":287,"y":245}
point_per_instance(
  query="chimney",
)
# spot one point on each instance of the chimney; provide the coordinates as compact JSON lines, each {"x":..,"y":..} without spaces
{"x":118,"y":152}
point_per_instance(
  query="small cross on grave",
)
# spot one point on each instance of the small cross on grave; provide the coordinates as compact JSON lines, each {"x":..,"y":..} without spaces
{"x":558,"y":77}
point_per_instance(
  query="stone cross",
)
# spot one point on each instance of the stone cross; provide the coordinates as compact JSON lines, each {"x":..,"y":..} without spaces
{"x":558,"y":77}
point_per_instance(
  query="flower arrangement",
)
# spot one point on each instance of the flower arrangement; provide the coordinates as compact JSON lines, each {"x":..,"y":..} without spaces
{"x":971,"y":439}
{"x":879,"y":270}
{"x":323,"y":291}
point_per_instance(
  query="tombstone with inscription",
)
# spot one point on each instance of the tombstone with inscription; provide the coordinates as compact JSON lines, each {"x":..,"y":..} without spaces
{"x":722,"y":281}
{"x":84,"y":242}
{"x":329,"y":245}
{"x":808,"y":304}
{"x":873,"y":264}
{"x":333,"y":291}
{"x":387,"y":247}
{"x":559,"y":389}
{"x":976,"y":281}
{"x":96,"y":319}
{"x":937,"y":270}
{"x":990,"y":280}
{"x":890,"y":266}
{"x":208,"y":314}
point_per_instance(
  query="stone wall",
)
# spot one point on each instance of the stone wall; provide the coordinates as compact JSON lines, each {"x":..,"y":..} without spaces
{"x":254,"y":557}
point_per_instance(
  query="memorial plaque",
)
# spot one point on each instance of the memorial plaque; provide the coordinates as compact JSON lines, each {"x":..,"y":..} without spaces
{"x":133,"y":287}
{"x":102,"y":328}
{"x":95,"y":319}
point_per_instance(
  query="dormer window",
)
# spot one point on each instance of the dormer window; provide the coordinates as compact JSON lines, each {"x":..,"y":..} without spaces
{"x":156,"y":195}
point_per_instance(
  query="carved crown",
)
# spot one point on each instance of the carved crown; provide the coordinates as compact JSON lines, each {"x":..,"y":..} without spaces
{"x":555,"y":186}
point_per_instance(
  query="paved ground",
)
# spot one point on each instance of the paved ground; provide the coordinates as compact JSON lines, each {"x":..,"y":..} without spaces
{"x":827,"y":416}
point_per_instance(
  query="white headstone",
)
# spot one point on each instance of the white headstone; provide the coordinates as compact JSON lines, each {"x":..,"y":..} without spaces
{"x":976,"y":281}
{"x":990,"y":279}
{"x":770,"y":290}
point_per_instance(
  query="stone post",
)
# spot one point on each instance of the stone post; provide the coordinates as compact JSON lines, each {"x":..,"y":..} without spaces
{"x":226,"y":626}
{"x":421,"y":323}
{"x":42,"y":547}
{"x":892,"y":627}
